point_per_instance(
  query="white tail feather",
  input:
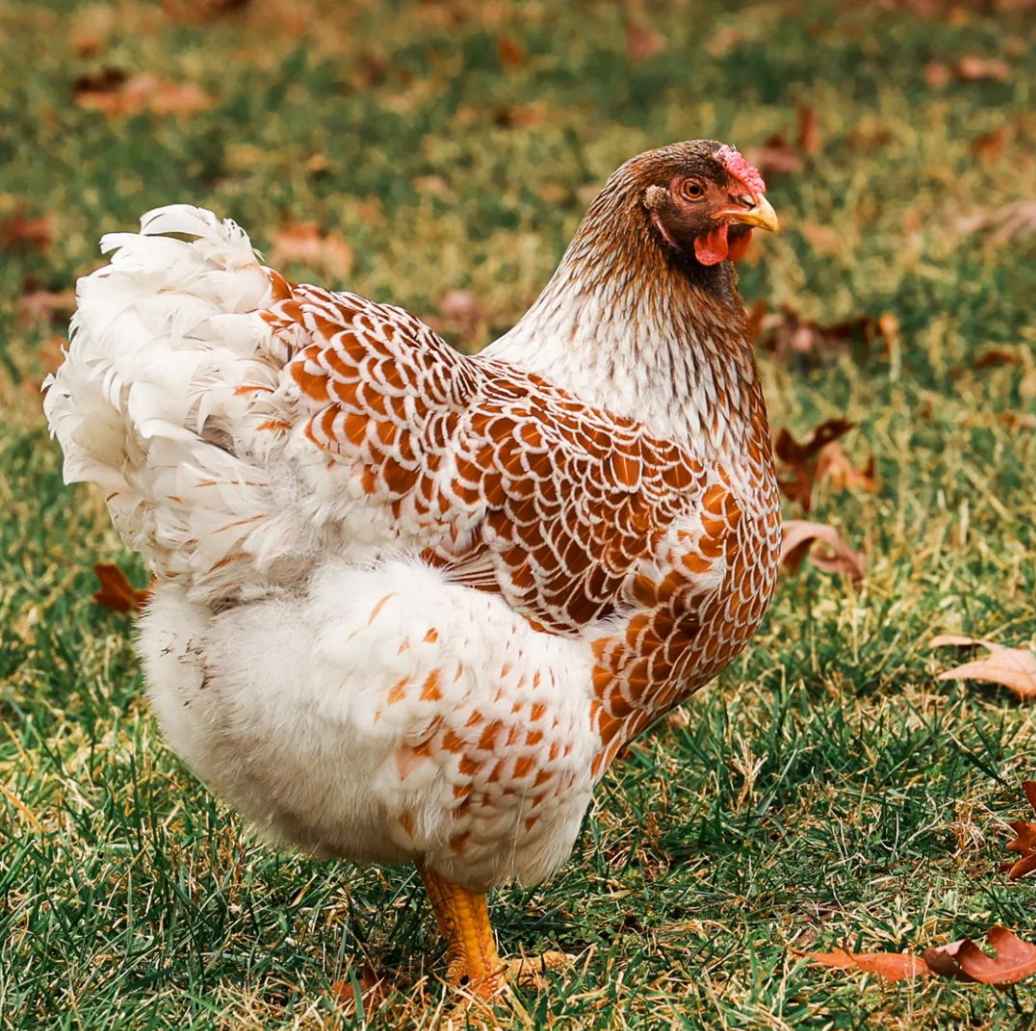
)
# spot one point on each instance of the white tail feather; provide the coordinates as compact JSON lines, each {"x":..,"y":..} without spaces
{"x":146,"y":402}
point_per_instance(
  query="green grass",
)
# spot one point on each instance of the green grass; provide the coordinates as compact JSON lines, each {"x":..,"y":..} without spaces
{"x":828,"y":790}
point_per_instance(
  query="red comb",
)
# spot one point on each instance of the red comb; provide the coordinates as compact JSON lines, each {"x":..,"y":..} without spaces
{"x":740,"y":169}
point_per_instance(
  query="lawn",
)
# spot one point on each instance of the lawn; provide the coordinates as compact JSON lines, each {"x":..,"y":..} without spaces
{"x":828,"y":790}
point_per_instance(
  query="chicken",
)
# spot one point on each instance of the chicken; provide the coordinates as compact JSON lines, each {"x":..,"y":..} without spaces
{"x":409,"y":603}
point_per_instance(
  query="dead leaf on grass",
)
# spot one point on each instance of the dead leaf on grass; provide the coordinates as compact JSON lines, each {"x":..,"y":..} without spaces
{"x":1014,"y":959}
{"x":835,"y":466}
{"x":511,"y":53}
{"x":116,"y":591}
{"x":996,"y":356}
{"x":374,"y":990}
{"x":893,"y":966}
{"x":45,"y":306}
{"x":1013,"y":668}
{"x":1024,"y":842}
{"x":963,"y":960}
{"x":306,"y":244}
{"x":969,"y":68}
{"x":787,"y":333}
{"x":195,"y":11}
{"x":116,"y":94}
{"x":1004,"y":224}
{"x":800,"y":536}
{"x":642,"y":41}
{"x":802,"y":459}
{"x":780,"y":154}
{"x":24,"y":232}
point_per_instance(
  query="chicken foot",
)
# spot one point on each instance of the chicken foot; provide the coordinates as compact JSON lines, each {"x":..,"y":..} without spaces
{"x":473,"y":961}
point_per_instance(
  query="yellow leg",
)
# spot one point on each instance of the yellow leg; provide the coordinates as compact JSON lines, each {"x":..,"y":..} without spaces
{"x":474,"y":963}
{"x":463,"y":919}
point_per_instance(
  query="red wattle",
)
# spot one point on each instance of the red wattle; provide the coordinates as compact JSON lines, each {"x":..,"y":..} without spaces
{"x":712,"y":248}
{"x":739,"y":245}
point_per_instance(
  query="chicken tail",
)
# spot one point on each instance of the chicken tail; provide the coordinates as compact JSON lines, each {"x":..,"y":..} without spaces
{"x":160,"y":400}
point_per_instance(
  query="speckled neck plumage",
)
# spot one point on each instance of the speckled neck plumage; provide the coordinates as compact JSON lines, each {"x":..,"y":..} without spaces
{"x":644,"y":332}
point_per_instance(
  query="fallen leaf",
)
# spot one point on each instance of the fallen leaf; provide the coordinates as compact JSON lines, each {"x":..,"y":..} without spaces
{"x":45,"y":306}
{"x":808,"y":137}
{"x":642,"y":41}
{"x":893,"y":966}
{"x":972,"y":67}
{"x":519,"y":116}
{"x":961,"y":960}
{"x":969,"y":68}
{"x":1024,"y":842}
{"x":990,"y":146}
{"x":823,"y":239}
{"x":800,"y":536}
{"x":462,"y":310}
{"x":21,"y":231}
{"x":996,"y":356}
{"x":802,"y":459}
{"x":787,"y":333}
{"x":1013,"y":668}
{"x":117,"y":94}
{"x":1014,"y":959}
{"x":1018,"y":420}
{"x":373,"y":991}
{"x":201,"y":10}
{"x":305,"y":243}
{"x":775,"y":157}
{"x":510,"y":52}
{"x":116,"y":591}
{"x":835,"y":466}
{"x":1001,"y":225}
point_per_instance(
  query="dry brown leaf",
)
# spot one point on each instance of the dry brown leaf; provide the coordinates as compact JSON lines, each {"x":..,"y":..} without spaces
{"x":1001,"y":225}
{"x":642,"y":41}
{"x":201,"y":10}
{"x":788,"y":333}
{"x":306,"y":244}
{"x":1018,"y":420}
{"x":519,"y":116}
{"x":808,"y":130}
{"x":1014,"y":959}
{"x":834,"y":465}
{"x":800,"y":536}
{"x":461,"y":308}
{"x":510,"y":52}
{"x":116,"y":94}
{"x":996,"y":356}
{"x":893,"y":966}
{"x":775,"y":157}
{"x":45,"y":306}
{"x":116,"y":591}
{"x":969,"y":68}
{"x":990,"y":146}
{"x":1013,"y":668}
{"x":962,"y":960}
{"x":22,"y":232}
{"x":374,"y":990}
{"x":1024,"y":841}
{"x":972,"y":67}
{"x":779,"y":155}
{"x":802,"y":459}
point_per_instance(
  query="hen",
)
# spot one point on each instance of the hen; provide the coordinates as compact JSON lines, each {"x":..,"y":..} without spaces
{"x":411,"y":603}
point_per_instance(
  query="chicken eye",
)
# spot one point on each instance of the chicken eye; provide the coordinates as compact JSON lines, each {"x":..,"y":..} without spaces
{"x":692,"y":189}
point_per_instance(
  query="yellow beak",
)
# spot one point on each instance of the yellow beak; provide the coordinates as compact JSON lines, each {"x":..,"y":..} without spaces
{"x":761,"y":215}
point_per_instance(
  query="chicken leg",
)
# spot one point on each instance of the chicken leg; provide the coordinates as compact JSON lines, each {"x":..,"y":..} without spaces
{"x":473,"y":962}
